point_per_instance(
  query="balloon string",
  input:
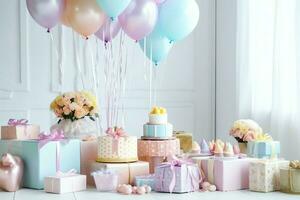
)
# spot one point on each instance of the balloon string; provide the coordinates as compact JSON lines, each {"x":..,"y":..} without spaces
{"x":155,"y":84}
{"x":98,"y":126}
{"x":59,"y":58}
{"x":151,"y":76}
{"x":77,"y":60}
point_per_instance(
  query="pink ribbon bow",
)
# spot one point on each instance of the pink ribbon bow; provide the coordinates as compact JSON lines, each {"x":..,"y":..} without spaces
{"x":55,"y":135}
{"x":116,"y":133}
{"x":176,"y":162}
{"x":17,"y":122}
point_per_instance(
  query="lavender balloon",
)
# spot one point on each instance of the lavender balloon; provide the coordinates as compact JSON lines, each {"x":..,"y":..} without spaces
{"x":159,"y":1}
{"x":139,"y":18}
{"x":109,"y":30}
{"x":46,"y":12}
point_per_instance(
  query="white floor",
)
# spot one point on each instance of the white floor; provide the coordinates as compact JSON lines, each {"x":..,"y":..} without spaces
{"x":92,"y":194}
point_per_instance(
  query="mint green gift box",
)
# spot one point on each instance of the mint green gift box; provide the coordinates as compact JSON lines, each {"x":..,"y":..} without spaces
{"x":40,"y":162}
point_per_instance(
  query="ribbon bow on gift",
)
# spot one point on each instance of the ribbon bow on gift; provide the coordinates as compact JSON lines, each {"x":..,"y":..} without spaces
{"x":175,"y":162}
{"x":60,"y":174}
{"x":116,"y":133}
{"x":17,"y":122}
{"x":295,"y":164}
{"x":55,"y":135}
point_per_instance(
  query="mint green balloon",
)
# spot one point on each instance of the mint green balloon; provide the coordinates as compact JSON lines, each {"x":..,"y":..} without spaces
{"x":178,"y":18}
{"x":113,"y":8}
{"x":157,"y":46}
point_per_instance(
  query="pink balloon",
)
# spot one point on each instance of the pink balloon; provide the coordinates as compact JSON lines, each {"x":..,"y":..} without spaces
{"x":159,"y":1}
{"x":109,"y":30}
{"x":46,"y":12}
{"x":139,"y":18}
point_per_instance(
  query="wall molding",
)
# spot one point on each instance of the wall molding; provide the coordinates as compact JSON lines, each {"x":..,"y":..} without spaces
{"x":23,"y":83}
{"x":6,"y":95}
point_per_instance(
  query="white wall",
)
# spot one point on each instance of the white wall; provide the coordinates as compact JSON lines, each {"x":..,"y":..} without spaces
{"x":29,"y":74}
{"x":226,"y":67}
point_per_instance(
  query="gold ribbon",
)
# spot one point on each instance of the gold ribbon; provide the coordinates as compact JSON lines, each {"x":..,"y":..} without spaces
{"x":295,"y":164}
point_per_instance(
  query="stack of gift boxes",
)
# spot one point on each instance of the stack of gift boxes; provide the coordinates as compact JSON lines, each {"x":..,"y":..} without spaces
{"x":157,"y":142}
{"x":158,"y":146}
{"x":117,"y":154}
{"x":45,"y":156}
{"x":50,"y":161}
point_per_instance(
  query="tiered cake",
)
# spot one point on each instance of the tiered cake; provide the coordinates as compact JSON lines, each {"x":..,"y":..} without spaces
{"x":117,"y":147}
{"x":157,"y":142}
{"x":158,"y":126}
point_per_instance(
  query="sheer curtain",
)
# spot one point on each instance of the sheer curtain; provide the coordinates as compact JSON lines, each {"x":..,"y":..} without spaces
{"x":268,"y":68}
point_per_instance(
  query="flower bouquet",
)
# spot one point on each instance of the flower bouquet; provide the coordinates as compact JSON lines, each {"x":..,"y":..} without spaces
{"x":245,"y":130}
{"x":76,"y":112}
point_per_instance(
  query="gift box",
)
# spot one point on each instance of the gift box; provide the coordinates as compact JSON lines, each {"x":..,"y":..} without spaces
{"x":264,"y":175}
{"x":126,"y":171}
{"x":20,"y":130}
{"x":263,"y":149}
{"x":186,"y":140}
{"x":43,"y":158}
{"x":290,"y":179}
{"x":176,"y":177}
{"x":145,"y":180}
{"x":105,"y":180}
{"x":227,"y":174}
{"x":88,"y":154}
{"x":65,"y":183}
{"x":162,"y":148}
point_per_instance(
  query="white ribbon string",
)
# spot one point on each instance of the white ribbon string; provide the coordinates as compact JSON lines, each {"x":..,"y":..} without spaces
{"x":115,"y":80}
{"x":58,"y":55}
{"x":77,"y":60}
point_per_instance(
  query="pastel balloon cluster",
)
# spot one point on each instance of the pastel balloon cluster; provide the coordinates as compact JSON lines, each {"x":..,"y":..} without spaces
{"x":155,"y":24}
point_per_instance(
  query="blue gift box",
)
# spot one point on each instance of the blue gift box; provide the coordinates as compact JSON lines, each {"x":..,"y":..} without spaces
{"x":263,"y":149}
{"x":145,"y":180}
{"x":163,"y":131}
{"x":41,"y":161}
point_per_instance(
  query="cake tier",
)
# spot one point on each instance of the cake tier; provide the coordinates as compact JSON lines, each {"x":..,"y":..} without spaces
{"x":158,"y":118}
{"x":158,"y":147}
{"x":162,"y":131}
{"x":113,"y":150}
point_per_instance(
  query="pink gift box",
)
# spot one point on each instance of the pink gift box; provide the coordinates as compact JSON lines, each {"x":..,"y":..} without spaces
{"x":65,"y":183}
{"x":20,"y":132}
{"x":126,"y":171}
{"x":88,"y":154}
{"x":105,"y":181}
{"x":227,"y":174}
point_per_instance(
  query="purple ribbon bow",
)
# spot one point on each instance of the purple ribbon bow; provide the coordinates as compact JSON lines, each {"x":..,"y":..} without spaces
{"x":17,"y":122}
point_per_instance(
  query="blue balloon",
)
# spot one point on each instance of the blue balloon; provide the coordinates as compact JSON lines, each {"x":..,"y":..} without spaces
{"x":157,"y":46}
{"x":113,"y":8}
{"x":178,"y":18}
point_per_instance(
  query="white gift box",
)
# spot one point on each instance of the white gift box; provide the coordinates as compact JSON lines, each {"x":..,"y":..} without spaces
{"x":65,"y":183}
{"x":264,"y":175}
